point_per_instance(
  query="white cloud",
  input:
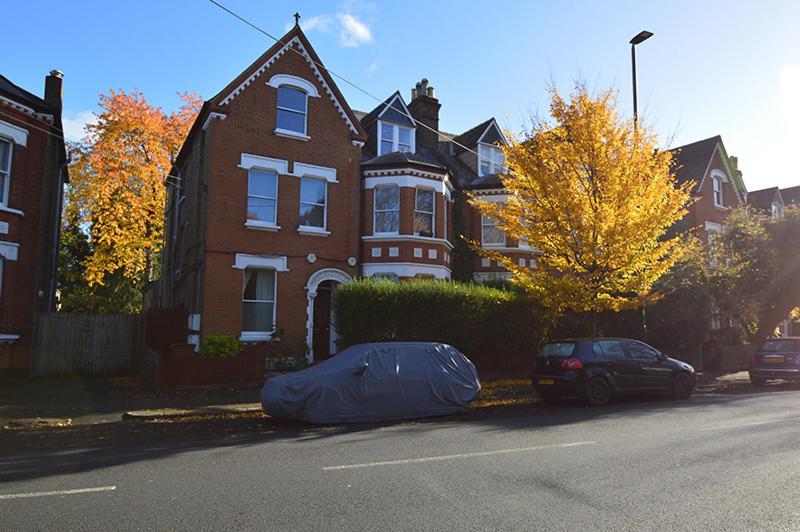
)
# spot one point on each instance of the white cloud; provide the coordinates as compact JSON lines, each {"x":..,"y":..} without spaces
{"x":374,"y":66}
{"x":353,"y":32}
{"x":74,"y":123}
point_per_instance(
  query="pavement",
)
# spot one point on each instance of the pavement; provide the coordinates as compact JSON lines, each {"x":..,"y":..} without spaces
{"x":718,"y":461}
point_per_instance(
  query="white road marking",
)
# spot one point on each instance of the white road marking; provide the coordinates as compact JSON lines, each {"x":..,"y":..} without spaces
{"x":753,"y":424}
{"x":57,"y":492}
{"x":456,"y":456}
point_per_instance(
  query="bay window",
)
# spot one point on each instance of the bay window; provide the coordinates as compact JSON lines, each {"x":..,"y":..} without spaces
{"x":5,"y":170}
{"x":292,"y":110}
{"x":313,"y":202}
{"x":258,"y":302}
{"x":490,"y":160}
{"x":262,"y":195}
{"x":423,"y":212}
{"x":491,"y":235}
{"x":387,"y":209}
{"x":395,"y":138}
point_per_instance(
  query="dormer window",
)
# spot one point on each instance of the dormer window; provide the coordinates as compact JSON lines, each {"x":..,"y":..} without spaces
{"x":717,"y":186}
{"x":292,"y":110}
{"x":394,"y":137}
{"x":490,"y":160}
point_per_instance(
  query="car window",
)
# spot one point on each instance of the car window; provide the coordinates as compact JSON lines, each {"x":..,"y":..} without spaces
{"x":640,"y":351}
{"x":608,"y":349}
{"x":557,"y":349}
{"x":781,"y":346}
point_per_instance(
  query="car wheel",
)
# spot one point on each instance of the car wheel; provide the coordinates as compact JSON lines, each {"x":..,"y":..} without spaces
{"x":758,"y":381}
{"x":682,"y":386}
{"x":598,"y":392}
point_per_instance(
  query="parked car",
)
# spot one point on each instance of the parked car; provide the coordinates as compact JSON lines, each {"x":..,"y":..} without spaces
{"x":597,"y":368}
{"x":778,"y":358}
{"x":376,"y":382}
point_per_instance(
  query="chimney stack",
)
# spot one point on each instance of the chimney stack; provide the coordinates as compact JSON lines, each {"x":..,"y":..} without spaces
{"x":53,"y":91}
{"x":424,"y":108}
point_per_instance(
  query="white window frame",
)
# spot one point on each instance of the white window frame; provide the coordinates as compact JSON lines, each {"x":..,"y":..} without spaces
{"x":314,"y":228}
{"x":260,"y":335}
{"x":431,"y":213}
{"x":494,"y":166}
{"x":375,"y":211}
{"x":6,"y":192}
{"x":395,"y":137}
{"x":484,"y":224}
{"x":279,"y":130}
{"x":261,"y":223}
{"x":716,"y":190}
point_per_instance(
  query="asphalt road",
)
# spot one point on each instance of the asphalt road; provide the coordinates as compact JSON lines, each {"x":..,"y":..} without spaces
{"x":714,"y":462}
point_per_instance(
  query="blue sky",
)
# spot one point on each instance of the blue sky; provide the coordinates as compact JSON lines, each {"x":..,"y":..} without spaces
{"x":713,"y":67}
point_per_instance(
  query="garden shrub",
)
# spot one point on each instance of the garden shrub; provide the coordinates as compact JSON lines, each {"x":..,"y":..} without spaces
{"x":220,"y":346}
{"x":491,"y":326}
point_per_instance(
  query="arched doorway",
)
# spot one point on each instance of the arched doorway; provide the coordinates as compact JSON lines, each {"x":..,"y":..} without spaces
{"x":321,"y":335}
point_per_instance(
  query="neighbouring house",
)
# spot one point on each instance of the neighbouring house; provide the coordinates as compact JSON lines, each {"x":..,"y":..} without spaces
{"x":33,"y":170}
{"x":791,"y":196}
{"x":767,"y":200}
{"x":281,"y":192}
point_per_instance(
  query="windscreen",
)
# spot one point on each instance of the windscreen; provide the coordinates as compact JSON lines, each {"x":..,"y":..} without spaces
{"x":781,"y":346}
{"x":557,"y":349}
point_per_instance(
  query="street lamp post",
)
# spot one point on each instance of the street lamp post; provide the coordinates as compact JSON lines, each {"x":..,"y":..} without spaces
{"x":638,"y":39}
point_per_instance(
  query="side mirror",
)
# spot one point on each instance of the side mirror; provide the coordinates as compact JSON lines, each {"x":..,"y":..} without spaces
{"x":662,"y":357}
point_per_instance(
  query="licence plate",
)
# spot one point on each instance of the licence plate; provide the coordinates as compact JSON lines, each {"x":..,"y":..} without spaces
{"x":546,"y":381}
{"x":773,"y":360}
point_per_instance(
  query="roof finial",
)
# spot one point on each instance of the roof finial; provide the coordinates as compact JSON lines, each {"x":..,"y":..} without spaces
{"x":297,"y":19}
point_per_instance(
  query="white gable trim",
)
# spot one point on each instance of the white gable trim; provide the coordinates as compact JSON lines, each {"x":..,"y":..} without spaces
{"x":15,"y":133}
{"x":295,"y":81}
{"x":727,"y":178}
{"x":311,"y":64}
{"x":271,"y":262}
{"x":389,"y":105}
{"x":213,"y":116}
{"x":485,"y":131}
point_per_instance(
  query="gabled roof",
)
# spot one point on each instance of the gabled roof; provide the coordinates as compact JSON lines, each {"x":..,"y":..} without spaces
{"x":487,"y":131}
{"x":691,"y":161}
{"x":393,"y":109}
{"x":763,"y":199}
{"x":294,"y":39}
{"x":791,"y":196}
{"x":21,"y":96}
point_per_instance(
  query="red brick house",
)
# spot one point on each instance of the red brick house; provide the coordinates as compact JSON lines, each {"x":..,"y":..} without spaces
{"x":33,"y":170}
{"x":281,"y":192}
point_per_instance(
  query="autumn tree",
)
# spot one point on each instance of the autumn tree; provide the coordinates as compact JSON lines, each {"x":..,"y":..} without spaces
{"x":753,"y":271}
{"x":117,"y":184}
{"x":596,"y":196}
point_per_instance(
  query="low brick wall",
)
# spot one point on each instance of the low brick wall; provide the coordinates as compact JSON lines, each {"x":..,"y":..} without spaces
{"x":182,"y":367}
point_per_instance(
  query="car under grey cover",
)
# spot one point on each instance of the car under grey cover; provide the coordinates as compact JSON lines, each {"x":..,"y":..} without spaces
{"x":376,"y":382}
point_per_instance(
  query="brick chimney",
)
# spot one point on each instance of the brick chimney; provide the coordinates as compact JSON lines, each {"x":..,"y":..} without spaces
{"x":52,"y":89}
{"x":424,"y":108}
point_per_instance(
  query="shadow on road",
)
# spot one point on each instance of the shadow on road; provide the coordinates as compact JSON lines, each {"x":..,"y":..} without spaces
{"x":30,"y":454}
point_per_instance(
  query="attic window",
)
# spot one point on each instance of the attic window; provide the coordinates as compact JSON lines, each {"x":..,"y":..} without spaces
{"x":717,"y":185}
{"x":393,"y":137}
{"x":292,"y":111}
{"x":490,"y":160}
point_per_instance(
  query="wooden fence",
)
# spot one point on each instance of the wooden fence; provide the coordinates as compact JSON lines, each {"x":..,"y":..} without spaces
{"x":86,"y":344}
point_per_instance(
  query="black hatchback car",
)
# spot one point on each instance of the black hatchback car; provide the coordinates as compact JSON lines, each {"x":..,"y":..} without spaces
{"x":778,"y":358}
{"x":597,"y":368}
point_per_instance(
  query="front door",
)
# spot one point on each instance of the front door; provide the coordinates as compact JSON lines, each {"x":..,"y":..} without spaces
{"x":322,"y":320}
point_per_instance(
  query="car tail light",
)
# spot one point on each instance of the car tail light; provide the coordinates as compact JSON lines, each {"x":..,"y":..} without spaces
{"x":571,"y":363}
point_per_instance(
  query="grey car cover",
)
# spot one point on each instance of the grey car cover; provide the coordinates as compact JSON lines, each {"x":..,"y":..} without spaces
{"x":375,"y":382}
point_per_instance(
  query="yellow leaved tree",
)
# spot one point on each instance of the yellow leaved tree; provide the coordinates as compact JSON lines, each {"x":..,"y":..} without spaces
{"x":117,"y":186}
{"x":596,"y":197}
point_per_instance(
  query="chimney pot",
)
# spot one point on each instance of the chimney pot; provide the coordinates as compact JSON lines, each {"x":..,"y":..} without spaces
{"x":57,"y":73}
{"x":430,"y":92}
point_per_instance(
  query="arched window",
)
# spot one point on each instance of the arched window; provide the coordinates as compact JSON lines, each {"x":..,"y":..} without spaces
{"x":292,"y":109}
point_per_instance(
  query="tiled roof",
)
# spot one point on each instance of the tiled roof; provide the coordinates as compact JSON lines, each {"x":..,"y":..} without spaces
{"x":762,"y":199}
{"x":691,"y":161}
{"x":486,"y":181}
{"x":396,"y":113}
{"x":470,"y":137}
{"x":791,"y":196}
{"x":23,"y":97}
{"x":421,"y":157}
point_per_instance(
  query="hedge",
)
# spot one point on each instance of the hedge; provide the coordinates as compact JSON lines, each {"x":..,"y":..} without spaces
{"x":498,"y":329}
